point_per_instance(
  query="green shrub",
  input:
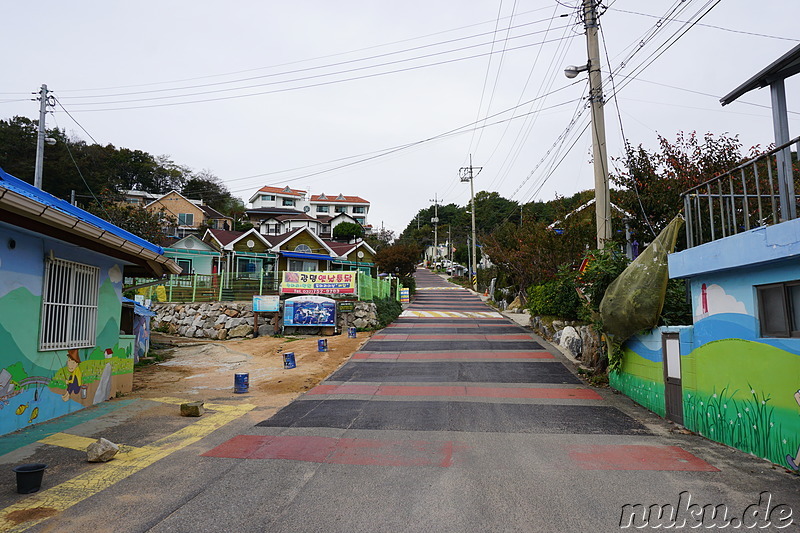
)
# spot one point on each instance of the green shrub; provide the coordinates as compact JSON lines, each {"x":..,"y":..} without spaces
{"x":410,"y":283}
{"x":556,"y":297}
{"x":599,"y":273}
{"x":677,"y":309}
{"x":387,"y":309}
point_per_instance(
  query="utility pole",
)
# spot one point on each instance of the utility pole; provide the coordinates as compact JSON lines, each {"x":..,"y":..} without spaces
{"x":37,"y":176}
{"x":467,"y":174}
{"x":450,"y":245}
{"x":435,"y":221}
{"x":602,"y":203}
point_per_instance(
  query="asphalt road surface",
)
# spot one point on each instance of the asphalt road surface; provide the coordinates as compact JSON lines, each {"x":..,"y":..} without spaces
{"x":452,"y":419}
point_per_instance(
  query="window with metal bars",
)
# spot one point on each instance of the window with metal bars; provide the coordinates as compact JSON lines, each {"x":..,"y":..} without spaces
{"x":69,"y":305}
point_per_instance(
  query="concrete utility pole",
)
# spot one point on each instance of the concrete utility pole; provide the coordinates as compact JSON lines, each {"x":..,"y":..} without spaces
{"x":603,"y":203}
{"x":435,"y":221}
{"x":37,"y":176}
{"x":467,"y":174}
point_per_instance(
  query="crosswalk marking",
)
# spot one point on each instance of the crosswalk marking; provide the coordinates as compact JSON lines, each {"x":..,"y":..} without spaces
{"x":450,"y":314}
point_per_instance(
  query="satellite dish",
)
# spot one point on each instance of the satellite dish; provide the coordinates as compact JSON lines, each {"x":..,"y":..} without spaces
{"x":251,"y":243}
{"x":360,"y":254}
{"x":306,"y":209}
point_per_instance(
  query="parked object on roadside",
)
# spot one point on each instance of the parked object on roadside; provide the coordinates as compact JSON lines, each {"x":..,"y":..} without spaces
{"x":101,"y":451}
{"x":241,"y":382}
{"x":29,"y":477}
{"x":289,"y":361}
{"x":192,"y":409}
{"x":322,"y":345}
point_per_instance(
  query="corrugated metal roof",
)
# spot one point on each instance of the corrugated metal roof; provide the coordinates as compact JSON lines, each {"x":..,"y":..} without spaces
{"x":9,"y":182}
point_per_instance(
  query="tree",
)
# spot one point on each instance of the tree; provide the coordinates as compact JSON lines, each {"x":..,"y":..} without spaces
{"x":346,"y":231}
{"x":206,"y":186}
{"x":400,"y":259}
{"x":530,"y":253}
{"x":651,"y":183}
{"x":133,"y":218}
{"x":380,"y":240}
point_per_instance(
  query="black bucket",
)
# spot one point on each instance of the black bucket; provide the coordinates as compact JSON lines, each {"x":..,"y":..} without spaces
{"x":29,"y":477}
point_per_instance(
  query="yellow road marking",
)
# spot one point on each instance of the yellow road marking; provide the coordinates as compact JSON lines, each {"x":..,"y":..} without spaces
{"x":450,"y":314}
{"x":65,"y":440}
{"x":127,"y":462}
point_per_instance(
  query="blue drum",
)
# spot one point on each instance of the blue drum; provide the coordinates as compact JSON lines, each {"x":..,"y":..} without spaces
{"x":241,"y":382}
{"x":351,"y":332}
{"x":288,"y":360}
{"x":322,"y":345}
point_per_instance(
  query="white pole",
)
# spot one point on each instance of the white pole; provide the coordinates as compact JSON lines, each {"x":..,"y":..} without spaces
{"x":37,"y":176}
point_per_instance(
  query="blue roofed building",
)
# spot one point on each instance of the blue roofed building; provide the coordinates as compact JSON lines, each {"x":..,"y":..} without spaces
{"x":61,"y":272}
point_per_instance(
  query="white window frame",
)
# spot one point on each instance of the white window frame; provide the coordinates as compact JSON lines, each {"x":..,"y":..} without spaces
{"x":298,"y":265}
{"x":69,"y":305}
{"x":188,"y":219}
{"x":303,"y":249}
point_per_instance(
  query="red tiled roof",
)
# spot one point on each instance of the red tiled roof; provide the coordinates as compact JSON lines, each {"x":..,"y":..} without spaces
{"x":347,"y":199}
{"x":298,"y":216}
{"x":280,"y":190}
{"x":225,"y":236}
{"x":341,"y":248}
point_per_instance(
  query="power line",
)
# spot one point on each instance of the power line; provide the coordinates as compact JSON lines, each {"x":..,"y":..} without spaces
{"x":716,"y":27}
{"x":304,"y":60}
{"x":407,"y":69}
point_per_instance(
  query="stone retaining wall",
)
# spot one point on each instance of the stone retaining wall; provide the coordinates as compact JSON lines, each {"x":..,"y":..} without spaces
{"x":581,"y":340}
{"x":230,"y":320}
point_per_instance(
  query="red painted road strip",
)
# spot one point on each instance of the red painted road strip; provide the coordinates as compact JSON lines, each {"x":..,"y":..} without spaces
{"x":449,"y":356}
{"x":339,"y":451}
{"x":453,"y":336}
{"x":473,"y":326}
{"x":632,"y":457}
{"x":459,"y":391}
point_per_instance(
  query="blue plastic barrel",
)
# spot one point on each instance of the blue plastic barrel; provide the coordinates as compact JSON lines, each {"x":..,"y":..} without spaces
{"x":241,"y":382}
{"x":288,"y":360}
{"x":351,"y":332}
{"x":322,"y":345}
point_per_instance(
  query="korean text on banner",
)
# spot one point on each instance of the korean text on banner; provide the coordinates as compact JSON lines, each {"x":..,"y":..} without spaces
{"x":318,"y":283}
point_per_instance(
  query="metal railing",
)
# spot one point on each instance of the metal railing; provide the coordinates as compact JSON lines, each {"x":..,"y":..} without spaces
{"x":759,"y":192}
{"x":226,"y":287}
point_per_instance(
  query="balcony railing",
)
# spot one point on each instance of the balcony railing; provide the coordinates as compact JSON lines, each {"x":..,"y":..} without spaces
{"x":749,"y":196}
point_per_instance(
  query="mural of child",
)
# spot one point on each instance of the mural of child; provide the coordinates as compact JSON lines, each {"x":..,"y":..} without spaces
{"x":75,"y":374}
{"x":794,"y":462}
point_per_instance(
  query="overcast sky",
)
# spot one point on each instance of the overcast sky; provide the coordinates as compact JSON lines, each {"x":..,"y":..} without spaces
{"x":381,"y":99}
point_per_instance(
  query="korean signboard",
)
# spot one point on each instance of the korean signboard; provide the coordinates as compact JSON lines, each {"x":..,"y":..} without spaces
{"x":309,"y":311}
{"x":266,"y":304}
{"x":318,"y":283}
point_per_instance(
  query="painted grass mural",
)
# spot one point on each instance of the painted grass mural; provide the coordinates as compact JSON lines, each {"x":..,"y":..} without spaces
{"x":641,"y":380}
{"x":750,"y":425}
{"x":746,"y":396}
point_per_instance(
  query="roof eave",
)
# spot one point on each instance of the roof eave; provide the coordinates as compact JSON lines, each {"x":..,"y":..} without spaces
{"x":30,"y":209}
{"x":785,"y":66}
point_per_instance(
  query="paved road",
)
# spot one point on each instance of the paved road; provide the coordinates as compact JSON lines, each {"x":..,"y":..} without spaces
{"x":451,"y":419}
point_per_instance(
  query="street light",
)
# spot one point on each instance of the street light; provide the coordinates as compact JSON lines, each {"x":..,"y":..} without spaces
{"x":571,"y":71}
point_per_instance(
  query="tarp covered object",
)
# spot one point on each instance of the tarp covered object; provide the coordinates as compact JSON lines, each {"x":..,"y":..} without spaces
{"x":141,"y":329}
{"x":634,"y":300}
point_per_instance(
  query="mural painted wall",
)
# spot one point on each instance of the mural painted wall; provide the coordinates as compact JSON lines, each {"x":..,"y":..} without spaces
{"x":739,"y":389}
{"x":37,"y":386}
